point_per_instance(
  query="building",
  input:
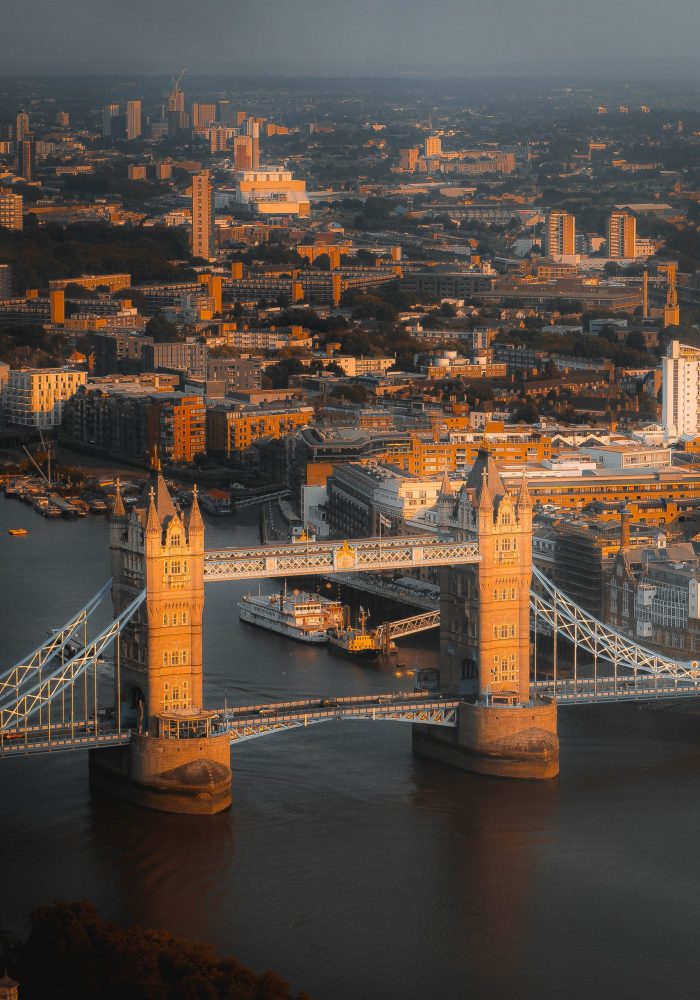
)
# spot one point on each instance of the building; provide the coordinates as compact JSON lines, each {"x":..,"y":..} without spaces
{"x":109,"y":113}
{"x":622,"y":235}
{"x":433,"y":146}
{"x":25,"y":159}
{"x":184,"y":355}
{"x":272,"y":191}
{"x":354,"y":367}
{"x":202,"y":216}
{"x":127,"y":419}
{"x":560,"y":235}
{"x":136,"y":171}
{"x":117,"y":352}
{"x":133,"y":119}
{"x":112,"y":282}
{"x":10,"y":210}
{"x":408,"y":159}
{"x":35,"y":397}
{"x":236,"y":373}
{"x":680,"y":397}
{"x":21,"y":126}
{"x":5,"y":276}
{"x":233,"y":429}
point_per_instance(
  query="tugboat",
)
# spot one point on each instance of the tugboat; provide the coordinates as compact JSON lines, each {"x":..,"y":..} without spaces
{"x":357,"y":643}
{"x":17,"y":531}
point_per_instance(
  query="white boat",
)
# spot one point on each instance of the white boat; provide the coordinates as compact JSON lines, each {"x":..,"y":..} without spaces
{"x":298,"y":615}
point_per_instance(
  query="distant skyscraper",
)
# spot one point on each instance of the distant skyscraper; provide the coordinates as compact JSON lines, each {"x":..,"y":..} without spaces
{"x":109,"y":112}
{"x":560,"y":235}
{"x":177,"y":119}
{"x":242,"y":152}
{"x":433,"y":145}
{"x":622,"y":235}
{"x":408,"y":159}
{"x":21,"y":125}
{"x":62,"y":119}
{"x":203,"y":114}
{"x":25,"y":159}
{"x":202,"y":216}
{"x":252,"y":129}
{"x":10,"y":210}
{"x":133,"y":119}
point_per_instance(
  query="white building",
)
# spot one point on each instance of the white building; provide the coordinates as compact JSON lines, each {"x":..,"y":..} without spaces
{"x":34,"y":397}
{"x":680,"y":388}
{"x":272,"y":191}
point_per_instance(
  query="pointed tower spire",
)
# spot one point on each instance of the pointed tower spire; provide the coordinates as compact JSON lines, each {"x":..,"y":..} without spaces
{"x":152,"y":519}
{"x":194,"y":519}
{"x":524,"y":497}
{"x":118,"y":509}
{"x":484,"y":498}
{"x":446,"y":486}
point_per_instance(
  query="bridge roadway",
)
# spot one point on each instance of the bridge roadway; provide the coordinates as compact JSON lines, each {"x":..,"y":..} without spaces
{"x":357,"y":556}
{"x":625,"y":687}
{"x":245,"y":722}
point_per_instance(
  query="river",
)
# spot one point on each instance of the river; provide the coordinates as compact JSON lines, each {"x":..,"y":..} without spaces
{"x":347,"y":865}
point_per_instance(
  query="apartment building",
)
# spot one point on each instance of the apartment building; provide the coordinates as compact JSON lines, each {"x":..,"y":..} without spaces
{"x":233,"y":429}
{"x":680,"y":399}
{"x":35,"y":397}
{"x":11,"y":210}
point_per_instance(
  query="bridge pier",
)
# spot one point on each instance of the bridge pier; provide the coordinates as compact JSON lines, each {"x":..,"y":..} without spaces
{"x":176,"y":775}
{"x":503,"y":741}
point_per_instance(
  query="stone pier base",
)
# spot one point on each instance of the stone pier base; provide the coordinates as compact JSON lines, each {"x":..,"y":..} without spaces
{"x":176,"y":776}
{"x":518,"y":741}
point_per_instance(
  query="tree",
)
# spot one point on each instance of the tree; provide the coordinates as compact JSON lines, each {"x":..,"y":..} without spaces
{"x":161,"y":329}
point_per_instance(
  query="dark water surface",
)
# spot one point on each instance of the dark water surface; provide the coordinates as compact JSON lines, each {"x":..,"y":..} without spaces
{"x":350,"y":867}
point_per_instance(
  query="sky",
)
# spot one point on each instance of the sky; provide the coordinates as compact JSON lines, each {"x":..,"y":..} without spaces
{"x":356,"y":37}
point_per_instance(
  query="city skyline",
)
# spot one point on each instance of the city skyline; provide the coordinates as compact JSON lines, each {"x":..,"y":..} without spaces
{"x":303,"y":37}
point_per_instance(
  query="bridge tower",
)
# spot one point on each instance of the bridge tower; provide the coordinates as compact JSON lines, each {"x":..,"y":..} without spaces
{"x":485,"y":639}
{"x":175,"y":762}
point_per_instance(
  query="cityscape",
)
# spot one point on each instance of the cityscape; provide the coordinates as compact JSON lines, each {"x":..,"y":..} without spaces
{"x":349,"y":507}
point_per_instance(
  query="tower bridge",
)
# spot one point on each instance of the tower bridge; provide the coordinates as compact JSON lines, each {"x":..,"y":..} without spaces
{"x":159,"y":746}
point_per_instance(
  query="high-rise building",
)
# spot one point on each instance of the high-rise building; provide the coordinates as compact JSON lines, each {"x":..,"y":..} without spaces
{"x":680,"y":399}
{"x":5,"y":280}
{"x":408,"y":159}
{"x":34,"y":397}
{"x":62,"y":119}
{"x":252,"y":129}
{"x":133,"y":119}
{"x":25,"y":159}
{"x":177,"y":118}
{"x":622,"y":235}
{"x":109,"y":111}
{"x":242,"y":152}
{"x":560,"y":235}
{"x":433,"y":145}
{"x":203,"y":114}
{"x":21,"y":125}
{"x":202,"y":216}
{"x":10,"y":210}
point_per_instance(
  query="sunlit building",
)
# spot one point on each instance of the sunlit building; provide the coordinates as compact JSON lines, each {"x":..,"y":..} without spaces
{"x":202,"y":216}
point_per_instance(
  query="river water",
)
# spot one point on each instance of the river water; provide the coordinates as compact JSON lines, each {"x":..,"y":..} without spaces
{"x":347,"y":865}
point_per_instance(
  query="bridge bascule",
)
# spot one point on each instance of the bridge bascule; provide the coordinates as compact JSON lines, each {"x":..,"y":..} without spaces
{"x":156,"y":744}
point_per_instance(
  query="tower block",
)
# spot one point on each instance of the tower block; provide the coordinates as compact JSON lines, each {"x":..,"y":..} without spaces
{"x":485,"y":640}
{"x":175,"y":762}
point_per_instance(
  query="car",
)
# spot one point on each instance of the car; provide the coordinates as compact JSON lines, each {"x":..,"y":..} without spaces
{"x":385,"y":699}
{"x":267,"y":711}
{"x":328,"y":703}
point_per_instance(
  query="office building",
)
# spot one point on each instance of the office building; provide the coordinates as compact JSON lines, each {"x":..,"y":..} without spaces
{"x":109,"y":113}
{"x":680,"y":390}
{"x":622,"y":235}
{"x":202,"y":216}
{"x":560,"y":235}
{"x":10,"y":210}
{"x":203,"y":114}
{"x":133,"y":119}
{"x":34,"y":397}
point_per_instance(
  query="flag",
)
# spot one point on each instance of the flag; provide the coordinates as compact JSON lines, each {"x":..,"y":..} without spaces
{"x":384,"y":522}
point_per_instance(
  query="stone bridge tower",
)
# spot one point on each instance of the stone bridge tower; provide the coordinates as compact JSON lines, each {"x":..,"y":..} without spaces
{"x":177,"y":760}
{"x":485,"y":638}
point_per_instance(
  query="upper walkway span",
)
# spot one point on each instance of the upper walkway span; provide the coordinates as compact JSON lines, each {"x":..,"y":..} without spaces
{"x":356,"y":556}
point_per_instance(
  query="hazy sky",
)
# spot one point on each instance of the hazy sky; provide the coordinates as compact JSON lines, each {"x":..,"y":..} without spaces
{"x":374,"y":37}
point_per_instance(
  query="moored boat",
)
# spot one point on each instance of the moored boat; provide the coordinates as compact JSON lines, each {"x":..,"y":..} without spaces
{"x":299,"y":615}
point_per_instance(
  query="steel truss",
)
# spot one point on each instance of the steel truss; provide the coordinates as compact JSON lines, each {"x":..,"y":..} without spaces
{"x":564,"y":617}
{"x":64,"y":675}
{"x":12,"y":679}
{"x":361,"y":555}
{"x":407,"y":626}
{"x":432,"y":712}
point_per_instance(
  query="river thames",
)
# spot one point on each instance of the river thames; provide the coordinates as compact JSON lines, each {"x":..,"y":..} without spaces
{"x":347,"y":865}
